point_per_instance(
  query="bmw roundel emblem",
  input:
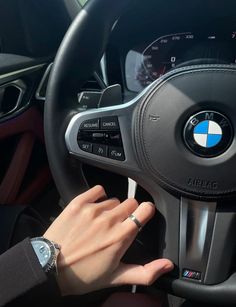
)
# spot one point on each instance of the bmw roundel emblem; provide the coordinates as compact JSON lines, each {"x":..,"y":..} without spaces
{"x":208,"y":134}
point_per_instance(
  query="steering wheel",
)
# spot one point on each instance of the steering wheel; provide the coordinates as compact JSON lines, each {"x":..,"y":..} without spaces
{"x":176,"y":139}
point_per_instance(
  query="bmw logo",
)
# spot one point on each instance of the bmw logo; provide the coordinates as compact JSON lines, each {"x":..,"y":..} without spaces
{"x":208,"y":134}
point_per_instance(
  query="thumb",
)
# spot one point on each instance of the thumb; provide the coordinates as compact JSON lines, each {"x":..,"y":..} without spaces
{"x":141,"y":275}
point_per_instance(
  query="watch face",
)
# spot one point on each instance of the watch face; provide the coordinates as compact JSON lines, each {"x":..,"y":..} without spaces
{"x":42,"y":251}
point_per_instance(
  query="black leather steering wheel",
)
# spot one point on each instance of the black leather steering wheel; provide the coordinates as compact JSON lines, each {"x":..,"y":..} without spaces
{"x":176,"y":139}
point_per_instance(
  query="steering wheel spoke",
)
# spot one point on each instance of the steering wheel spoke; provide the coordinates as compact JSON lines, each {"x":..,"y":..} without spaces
{"x":197,"y":236}
{"x":196,"y":233}
{"x":103,"y":137}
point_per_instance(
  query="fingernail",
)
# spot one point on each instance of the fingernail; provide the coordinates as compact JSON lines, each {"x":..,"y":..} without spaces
{"x":150,"y":203}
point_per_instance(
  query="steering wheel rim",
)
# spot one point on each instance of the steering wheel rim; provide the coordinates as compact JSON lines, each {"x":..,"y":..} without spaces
{"x":76,"y":59}
{"x":65,"y":79}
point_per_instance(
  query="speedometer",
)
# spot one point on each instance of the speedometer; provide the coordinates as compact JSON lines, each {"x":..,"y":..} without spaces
{"x":165,"y":53}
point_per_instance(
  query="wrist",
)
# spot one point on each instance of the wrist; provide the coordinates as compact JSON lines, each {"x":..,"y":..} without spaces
{"x":63,"y":281}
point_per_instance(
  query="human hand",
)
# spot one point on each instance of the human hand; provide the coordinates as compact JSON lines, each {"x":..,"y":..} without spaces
{"x":93,"y":239}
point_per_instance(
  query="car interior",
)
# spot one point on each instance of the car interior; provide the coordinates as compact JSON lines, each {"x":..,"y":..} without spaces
{"x":136,"y":96}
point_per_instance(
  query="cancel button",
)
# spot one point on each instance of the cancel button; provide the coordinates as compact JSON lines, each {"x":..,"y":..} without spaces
{"x":109,"y":123}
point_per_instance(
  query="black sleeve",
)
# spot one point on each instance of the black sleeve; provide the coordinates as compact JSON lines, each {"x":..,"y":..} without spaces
{"x":23,"y":281}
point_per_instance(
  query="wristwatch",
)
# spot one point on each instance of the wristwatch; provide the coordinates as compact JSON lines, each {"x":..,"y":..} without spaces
{"x":47,"y":253}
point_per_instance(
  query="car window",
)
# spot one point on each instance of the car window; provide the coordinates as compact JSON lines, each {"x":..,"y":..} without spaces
{"x":82,"y":2}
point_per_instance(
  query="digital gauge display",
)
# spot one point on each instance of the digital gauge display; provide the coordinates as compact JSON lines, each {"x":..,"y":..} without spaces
{"x":144,"y":64}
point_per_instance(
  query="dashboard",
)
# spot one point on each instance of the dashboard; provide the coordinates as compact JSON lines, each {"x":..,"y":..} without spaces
{"x":145,"y":63}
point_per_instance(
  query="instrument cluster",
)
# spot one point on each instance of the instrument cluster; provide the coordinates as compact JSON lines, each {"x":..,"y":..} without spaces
{"x":147,"y":62}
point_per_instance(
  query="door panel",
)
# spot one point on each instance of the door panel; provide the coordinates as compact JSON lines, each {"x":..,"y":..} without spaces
{"x":27,"y":173}
{"x":24,"y":171}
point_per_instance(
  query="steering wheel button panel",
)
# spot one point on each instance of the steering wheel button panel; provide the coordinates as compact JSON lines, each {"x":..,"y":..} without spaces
{"x":110,"y":123}
{"x":91,"y":124}
{"x":101,"y":137}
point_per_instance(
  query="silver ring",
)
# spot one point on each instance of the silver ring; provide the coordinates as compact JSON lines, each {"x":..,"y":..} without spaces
{"x":136,"y":221}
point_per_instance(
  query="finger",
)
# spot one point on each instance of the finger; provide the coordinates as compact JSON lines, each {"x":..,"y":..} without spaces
{"x":131,"y":274}
{"x":142,"y":214}
{"x":108,"y":204}
{"x":92,"y":195}
{"x":123,"y":211}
